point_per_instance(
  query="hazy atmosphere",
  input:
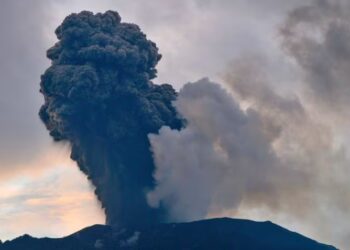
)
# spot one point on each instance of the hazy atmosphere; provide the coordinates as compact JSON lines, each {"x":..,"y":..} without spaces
{"x":263,"y":88}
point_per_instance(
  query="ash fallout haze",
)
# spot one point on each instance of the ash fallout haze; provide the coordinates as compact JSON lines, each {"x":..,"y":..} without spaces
{"x":174,"y":111}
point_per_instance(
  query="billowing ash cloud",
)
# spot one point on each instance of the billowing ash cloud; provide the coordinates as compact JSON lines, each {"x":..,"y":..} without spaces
{"x":317,"y":36}
{"x":305,"y":142}
{"x":253,"y":147}
{"x":226,"y":154}
{"x":250,"y":148}
{"x":99,"y":98}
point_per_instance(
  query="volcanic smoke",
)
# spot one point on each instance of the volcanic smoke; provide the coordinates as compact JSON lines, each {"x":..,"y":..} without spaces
{"x":99,"y":97}
{"x":155,"y":155}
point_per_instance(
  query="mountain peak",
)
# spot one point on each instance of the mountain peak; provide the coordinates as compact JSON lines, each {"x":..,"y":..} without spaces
{"x":219,"y":233}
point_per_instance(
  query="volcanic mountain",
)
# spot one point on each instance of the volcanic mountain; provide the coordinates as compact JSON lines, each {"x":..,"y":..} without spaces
{"x":223,"y":233}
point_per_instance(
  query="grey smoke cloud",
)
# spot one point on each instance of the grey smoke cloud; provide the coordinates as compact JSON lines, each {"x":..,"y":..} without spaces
{"x":259,"y":156}
{"x":223,"y":156}
{"x":254,"y":146}
{"x":307,"y":142}
{"x":317,"y":37}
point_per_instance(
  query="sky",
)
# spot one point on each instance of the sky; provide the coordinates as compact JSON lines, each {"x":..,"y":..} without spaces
{"x":255,"y":49}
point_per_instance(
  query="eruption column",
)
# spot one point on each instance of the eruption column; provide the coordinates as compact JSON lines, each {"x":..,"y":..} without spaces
{"x":99,"y":97}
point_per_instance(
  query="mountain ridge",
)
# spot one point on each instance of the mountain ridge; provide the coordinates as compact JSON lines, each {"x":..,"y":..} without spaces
{"x":218,"y":233}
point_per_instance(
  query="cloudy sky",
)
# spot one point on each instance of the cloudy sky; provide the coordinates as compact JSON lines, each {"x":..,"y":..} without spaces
{"x":287,"y":62}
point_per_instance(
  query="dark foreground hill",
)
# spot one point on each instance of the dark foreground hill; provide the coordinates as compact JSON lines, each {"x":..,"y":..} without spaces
{"x":211,"y":234}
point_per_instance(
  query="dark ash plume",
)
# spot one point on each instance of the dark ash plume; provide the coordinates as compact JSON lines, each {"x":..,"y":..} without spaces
{"x":99,"y":98}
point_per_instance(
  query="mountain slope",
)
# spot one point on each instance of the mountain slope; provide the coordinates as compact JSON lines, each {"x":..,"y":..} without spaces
{"x":221,"y":233}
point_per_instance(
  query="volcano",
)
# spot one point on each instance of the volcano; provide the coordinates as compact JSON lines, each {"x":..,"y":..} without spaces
{"x":221,"y":233}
